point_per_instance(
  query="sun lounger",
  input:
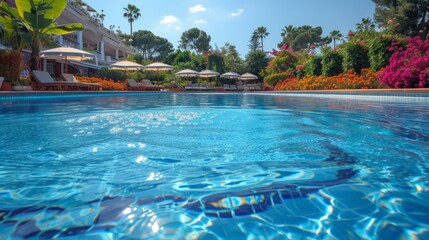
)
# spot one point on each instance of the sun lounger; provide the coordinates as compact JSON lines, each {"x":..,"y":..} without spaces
{"x":207,"y":87}
{"x":133,"y":86}
{"x":233,"y":87}
{"x":210,"y":87}
{"x":149,"y":86}
{"x":42,"y":81}
{"x":226,"y":87}
{"x":188,"y":87}
{"x":85,"y":86}
{"x":144,"y":85}
{"x":195,"y":86}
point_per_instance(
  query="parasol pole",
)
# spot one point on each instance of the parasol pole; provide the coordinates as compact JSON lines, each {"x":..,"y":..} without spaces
{"x":157,"y":74}
{"x":67,"y":67}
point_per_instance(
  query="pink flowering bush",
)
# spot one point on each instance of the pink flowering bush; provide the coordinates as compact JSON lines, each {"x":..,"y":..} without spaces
{"x":409,"y":67}
{"x":284,"y":60}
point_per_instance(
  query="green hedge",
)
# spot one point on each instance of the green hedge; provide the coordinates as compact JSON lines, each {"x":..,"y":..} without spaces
{"x":379,"y":53}
{"x":115,"y":75}
{"x":273,"y":79}
{"x":355,"y":57}
{"x":313,"y":67}
{"x":332,"y":63}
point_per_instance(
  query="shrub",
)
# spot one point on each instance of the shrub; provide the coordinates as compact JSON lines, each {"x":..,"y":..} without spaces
{"x":182,"y":57}
{"x":378,"y":52}
{"x":313,"y":67}
{"x":331,"y":63}
{"x":10,"y":65}
{"x":256,"y":62}
{"x":408,"y":68}
{"x":299,"y":71}
{"x":273,"y":79}
{"x":285,"y":60}
{"x":115,"y":75}
{"x":355,"y":57}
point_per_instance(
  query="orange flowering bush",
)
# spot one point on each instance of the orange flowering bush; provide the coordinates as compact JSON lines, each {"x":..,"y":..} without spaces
{"x":106,"y":84}
{"x":350,"y":80}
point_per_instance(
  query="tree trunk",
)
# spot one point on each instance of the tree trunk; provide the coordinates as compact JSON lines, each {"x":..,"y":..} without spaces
{"x":423,"y":26}
{"x":35,"y":50}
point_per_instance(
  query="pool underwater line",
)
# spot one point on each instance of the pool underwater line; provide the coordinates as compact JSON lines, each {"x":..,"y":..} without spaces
{"x":219,"y":205}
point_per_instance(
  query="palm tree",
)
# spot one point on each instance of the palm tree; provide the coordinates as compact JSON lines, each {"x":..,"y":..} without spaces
{"x":367,"y":25}
{"x":287,"y":34}
{"x":335,"y":35}
{"x":101,"y":16}
{"x":131,"y":13}
{"x":262,"y":33}
{"x":254,"y":43}
{"x":287,"y":31}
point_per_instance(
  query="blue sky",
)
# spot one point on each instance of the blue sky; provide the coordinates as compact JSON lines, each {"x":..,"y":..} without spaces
{"x":234,"y":21}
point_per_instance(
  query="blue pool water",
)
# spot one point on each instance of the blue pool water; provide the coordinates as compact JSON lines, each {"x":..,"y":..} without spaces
{"x":213,"y":166}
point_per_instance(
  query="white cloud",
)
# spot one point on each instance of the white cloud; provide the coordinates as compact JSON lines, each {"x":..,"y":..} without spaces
{"x":197,"y":8}
{"x":200,"y":21}
{"x":238,"y":13}
{"x":171,"y":21}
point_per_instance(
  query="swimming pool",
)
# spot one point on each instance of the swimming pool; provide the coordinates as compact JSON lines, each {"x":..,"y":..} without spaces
{"x":213,"y":166}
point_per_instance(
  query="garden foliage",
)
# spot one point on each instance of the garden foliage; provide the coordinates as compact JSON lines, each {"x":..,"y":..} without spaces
{"x":378,"y":52}
{"x":216,"y":62}
{"x":350,"y":80}
{"x":331,"y":63}
{"x":355,"y":56}
{"x":10,"y":65}
{"x":409,"y":67}
{"x":313,"y":67}
{"x":115,"y":75}
{"x":273,"y":79}
{"x":256,"y":62}
{"x":106,"y":84}
{"x":284,"y":60}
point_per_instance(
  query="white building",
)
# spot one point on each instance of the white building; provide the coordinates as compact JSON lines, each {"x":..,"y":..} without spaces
{"x":95,"y":38}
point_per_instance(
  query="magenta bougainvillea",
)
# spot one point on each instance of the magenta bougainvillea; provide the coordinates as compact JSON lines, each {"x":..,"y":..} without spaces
{"x":409,"y":67}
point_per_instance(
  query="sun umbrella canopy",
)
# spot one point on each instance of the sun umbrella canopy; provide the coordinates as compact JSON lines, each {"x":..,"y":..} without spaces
{"x":157,"y":66}
{"x":187,"y":73}
{"x":208,"y":73}
{"x":66,"y":53}
{"x":248,"y":76}
{"x":126,"y":66}
{"x":230,"y":75}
